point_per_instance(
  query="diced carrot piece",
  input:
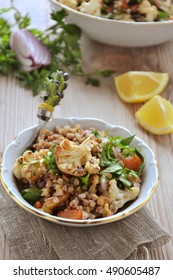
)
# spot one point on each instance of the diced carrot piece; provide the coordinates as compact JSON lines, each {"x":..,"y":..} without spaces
{"x":71,"y":214}
{"x":124,"y":5}
{"x":132,"y":162}
{"x":38,"y":204}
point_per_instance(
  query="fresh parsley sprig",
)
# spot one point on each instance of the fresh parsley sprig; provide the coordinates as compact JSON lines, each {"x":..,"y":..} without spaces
{"x":63,"y":41}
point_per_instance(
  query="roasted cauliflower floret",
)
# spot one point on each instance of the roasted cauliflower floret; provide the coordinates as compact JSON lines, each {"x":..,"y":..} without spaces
{"x":30,"y":166}
{"x":75,"y":159}
{"x":120,"y":197}
{"x":70,"y":3}
{"x":92,"y":7}
{"x":150,"y":11}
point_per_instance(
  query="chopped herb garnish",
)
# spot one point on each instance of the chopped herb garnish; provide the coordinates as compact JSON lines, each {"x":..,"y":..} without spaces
{"x":96,"y":133}
{"x":84,"y":181}
{"x":49,"y":159}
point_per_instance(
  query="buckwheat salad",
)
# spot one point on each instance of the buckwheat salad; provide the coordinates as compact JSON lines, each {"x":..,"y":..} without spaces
{"x":126,"y":10}
{"x":77,"y":173}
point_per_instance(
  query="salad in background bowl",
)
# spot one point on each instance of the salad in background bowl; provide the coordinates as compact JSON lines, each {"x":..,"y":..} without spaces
{"x":86,"y":172}
{"x":126,"y":10}
{"x":121,"y":23}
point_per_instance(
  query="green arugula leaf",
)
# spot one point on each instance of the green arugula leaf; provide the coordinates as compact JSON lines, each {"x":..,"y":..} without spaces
{"x":122,"y":177}
{"x":126,"y":183}
{"x":127,"y":141}
{"x":138,"y":153}
{"x":107,"y":155}
{"x":105,"y":159}
{"x":111,"y":168}
{"x":31,"y":194}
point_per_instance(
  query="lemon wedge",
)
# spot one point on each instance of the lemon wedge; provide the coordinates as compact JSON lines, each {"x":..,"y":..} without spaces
{"x":156,"y":115}
{"x":140,"y":86}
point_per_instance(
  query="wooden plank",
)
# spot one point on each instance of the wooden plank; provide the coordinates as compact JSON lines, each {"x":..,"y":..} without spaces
{"x":86,"y":101}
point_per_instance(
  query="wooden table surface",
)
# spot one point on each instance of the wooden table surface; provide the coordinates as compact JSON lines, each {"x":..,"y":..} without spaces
{"x":86,"y":101}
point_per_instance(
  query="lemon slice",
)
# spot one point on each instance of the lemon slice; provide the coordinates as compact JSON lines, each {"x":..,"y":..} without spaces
{"x":140,"y":86}
{"x":156,"y":115}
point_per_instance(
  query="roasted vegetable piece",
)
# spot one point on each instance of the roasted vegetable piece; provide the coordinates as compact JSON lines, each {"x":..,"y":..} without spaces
{"x":76,"y":160}
{"x":71,"y":214}
{"x":53,"y":202}
{"x":29,"y":166}
{"x":132,"y":162}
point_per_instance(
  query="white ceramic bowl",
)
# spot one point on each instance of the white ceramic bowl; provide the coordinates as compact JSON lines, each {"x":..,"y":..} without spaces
{"x":17,"y":147}
{"x":119,"y":33}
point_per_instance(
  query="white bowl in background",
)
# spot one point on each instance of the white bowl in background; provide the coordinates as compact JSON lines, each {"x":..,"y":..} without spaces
{"x":119,"y":33}
{"x":17,"y":147}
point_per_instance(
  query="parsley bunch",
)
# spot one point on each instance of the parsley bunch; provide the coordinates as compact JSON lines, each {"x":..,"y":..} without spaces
{"x":63,"y":41}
